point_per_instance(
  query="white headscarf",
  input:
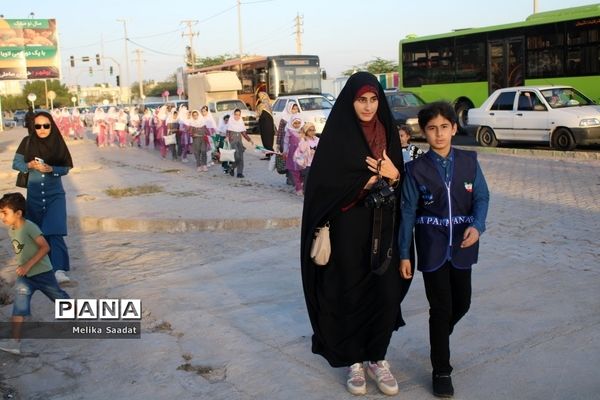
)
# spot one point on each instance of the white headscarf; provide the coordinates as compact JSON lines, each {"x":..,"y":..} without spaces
{"x":196,"y":123}
{"x":236,"y":125}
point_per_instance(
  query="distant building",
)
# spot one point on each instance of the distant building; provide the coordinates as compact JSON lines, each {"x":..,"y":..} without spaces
{"x":97,"y":94}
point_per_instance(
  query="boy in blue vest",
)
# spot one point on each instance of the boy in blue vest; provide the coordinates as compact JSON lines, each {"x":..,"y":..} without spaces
{"x":34,"y":271}
{"x":445,"y":199}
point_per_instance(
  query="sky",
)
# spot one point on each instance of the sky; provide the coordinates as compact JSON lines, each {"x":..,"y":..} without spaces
{"x":343,"y":33}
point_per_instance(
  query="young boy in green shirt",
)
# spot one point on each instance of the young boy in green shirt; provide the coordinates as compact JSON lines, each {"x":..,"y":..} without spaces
{"x":34,"y":271}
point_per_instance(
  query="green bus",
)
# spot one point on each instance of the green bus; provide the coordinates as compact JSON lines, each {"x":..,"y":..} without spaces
{"x":466,"y":66}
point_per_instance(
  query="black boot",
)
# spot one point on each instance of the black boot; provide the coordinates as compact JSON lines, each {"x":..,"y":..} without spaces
{"x":442,"y":385}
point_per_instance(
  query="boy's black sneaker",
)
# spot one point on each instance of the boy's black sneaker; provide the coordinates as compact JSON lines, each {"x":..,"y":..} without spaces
{"x":442,"y":386}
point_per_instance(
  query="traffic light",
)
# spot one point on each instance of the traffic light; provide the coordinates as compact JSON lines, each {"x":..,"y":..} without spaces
{"x":110,"y":70}
{"x":91,"y":71}
{"x":118,"y":81}
{"x":97,"y":59}
{"x":72,"y":60}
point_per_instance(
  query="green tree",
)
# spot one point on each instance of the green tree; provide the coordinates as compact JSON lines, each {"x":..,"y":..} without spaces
{"x":13,"y":103}
{"x":63,"y":97}
{"x":376,"y":66}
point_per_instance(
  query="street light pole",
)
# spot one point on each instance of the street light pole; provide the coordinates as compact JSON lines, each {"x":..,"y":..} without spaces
{"x":126,"y":58}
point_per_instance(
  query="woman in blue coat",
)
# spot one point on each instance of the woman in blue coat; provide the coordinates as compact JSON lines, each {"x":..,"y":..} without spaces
{"x":45,"y":156}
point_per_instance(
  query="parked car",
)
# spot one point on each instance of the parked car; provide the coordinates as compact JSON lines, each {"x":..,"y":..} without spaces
{"x":221,"y":107}
{"x":19,"y":117}
{"x":329,"y":97}
{"x":560,"y":116}
{"x":313,"y":108}
{"x":405,"y":107}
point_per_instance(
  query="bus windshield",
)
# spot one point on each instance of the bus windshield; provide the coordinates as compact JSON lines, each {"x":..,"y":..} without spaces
{"x":288,"y":79}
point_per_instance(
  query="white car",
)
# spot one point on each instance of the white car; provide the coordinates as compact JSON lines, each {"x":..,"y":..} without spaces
{"x":559,"y":116}
{"x":313,"y":108}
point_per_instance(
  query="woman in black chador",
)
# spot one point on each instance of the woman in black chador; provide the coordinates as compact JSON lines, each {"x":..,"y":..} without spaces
{"x":354,"y":301}
{"x":266,"y":124}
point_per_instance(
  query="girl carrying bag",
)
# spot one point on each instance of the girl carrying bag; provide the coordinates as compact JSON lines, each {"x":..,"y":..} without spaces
{"x":320,"y":249}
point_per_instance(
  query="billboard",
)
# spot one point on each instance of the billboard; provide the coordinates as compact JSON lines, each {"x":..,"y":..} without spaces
{"x":29,"y":49}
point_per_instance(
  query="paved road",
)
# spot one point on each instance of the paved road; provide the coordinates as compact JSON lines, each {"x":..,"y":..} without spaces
{"x":224,"y":316}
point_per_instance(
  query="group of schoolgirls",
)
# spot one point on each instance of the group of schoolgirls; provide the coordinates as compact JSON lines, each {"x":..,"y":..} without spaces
{"x":69,"y":124}
{"x":115,"y":127}
{"x":297,"y":143}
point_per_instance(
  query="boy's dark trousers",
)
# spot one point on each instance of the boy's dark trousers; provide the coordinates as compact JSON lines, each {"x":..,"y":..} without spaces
{"x":448,"y":291}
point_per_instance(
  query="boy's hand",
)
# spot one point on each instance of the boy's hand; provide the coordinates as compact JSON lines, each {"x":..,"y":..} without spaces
{"x":22,"y":271}
{"x":470,"y":237}
{"x":405,"y":269}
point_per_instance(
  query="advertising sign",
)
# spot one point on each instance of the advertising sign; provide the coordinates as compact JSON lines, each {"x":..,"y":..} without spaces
{"x":29,"y":49}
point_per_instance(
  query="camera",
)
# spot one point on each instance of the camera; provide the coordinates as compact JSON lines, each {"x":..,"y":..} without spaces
{"x":381,"y":195}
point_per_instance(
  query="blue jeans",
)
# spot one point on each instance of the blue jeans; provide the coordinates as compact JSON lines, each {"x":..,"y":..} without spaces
{"x":25,"y":287}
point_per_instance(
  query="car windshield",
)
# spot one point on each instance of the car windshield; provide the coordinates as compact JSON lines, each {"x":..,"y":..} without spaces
{"x":314,"y":103}
{"x":404,"y":100}
{"x":565,"y":97}
{"x":231,"y":105}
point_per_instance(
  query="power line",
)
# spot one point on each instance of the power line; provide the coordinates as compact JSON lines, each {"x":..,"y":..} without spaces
{"x":152,"y":50}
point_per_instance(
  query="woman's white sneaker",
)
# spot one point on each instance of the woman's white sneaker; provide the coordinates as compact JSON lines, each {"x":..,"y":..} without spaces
{"x":381,"y":374}
{"x":356,"y":383}
{"x":61,"y":277}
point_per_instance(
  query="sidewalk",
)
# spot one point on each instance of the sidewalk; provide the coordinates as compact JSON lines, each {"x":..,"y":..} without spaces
{"x":204,"y":200}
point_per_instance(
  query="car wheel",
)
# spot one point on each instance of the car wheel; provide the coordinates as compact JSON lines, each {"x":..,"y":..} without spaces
{"x":462,"y":111}
{"x":563,"y":140}
{"x":487,"y":138}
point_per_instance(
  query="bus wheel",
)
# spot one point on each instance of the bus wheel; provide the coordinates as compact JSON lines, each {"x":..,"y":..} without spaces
{"x":487,"y":138}
{"x":462,"y":111}
{"x":563,"y":140}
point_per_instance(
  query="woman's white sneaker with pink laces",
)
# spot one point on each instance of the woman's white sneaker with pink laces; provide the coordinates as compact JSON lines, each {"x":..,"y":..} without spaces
{"x":381,"y":374}
{"x":356,"y":383}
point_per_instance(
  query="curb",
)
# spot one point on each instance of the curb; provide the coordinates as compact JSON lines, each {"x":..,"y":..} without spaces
{"x":173,"y":225}
{"x":579,"y":155}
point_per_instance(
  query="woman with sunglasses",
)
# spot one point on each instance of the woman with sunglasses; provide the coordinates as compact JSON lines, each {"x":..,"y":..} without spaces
{"x":45,"y":156}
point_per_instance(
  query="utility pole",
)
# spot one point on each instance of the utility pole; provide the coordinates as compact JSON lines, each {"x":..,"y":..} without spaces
{"x":139,"y":61}
{"x":126,"y":58}
{"x":535,"y":6}
{"x":191,"y":34}
{"x":102,"y":55}
{"x":299,"y":32}
{"x":239,"y":13}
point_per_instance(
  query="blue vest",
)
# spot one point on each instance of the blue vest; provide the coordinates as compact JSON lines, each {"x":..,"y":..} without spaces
{"x":444,"y":212}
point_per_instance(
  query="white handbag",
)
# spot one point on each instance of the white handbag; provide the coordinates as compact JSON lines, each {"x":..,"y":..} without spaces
{"x":227,"y":155}
{"x":119,"y":126}
{"x":170,"y":139}
{"x":320,"y":250}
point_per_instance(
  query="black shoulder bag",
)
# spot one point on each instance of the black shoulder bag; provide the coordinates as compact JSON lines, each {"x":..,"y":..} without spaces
{"x":23,"y":177}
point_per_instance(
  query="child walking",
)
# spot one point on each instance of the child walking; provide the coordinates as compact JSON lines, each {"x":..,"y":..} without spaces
{"x":409,"y":150}
{"x":34,"y":271}
{"x":445,"y":198}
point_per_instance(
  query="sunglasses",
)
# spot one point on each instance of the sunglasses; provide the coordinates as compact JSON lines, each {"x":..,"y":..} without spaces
{"x":40,"y":126}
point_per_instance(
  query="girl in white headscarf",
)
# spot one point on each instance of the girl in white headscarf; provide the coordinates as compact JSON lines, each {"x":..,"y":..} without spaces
{"x":100,"y":127}
{"x":173,"y":129}
{"x":185,"y":140}
{"x":147,"y":125}
{"x":161,"y":130}
{"x":211,"y":126}
{"x":290,"y":144}
{"x":199,"y":135}
{"x":235,"y":131}
{"x":77,"y":124}
{"x":134,"y":127}
{"x":121,"y":128}
{"x":111,"y":119}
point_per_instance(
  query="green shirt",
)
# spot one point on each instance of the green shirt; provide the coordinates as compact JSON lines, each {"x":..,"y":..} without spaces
{"x":23,"y":242}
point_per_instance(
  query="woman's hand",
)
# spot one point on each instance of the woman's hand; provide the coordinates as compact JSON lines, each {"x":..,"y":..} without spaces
{"x":371,"y":182}
{"x":384,"y":167}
